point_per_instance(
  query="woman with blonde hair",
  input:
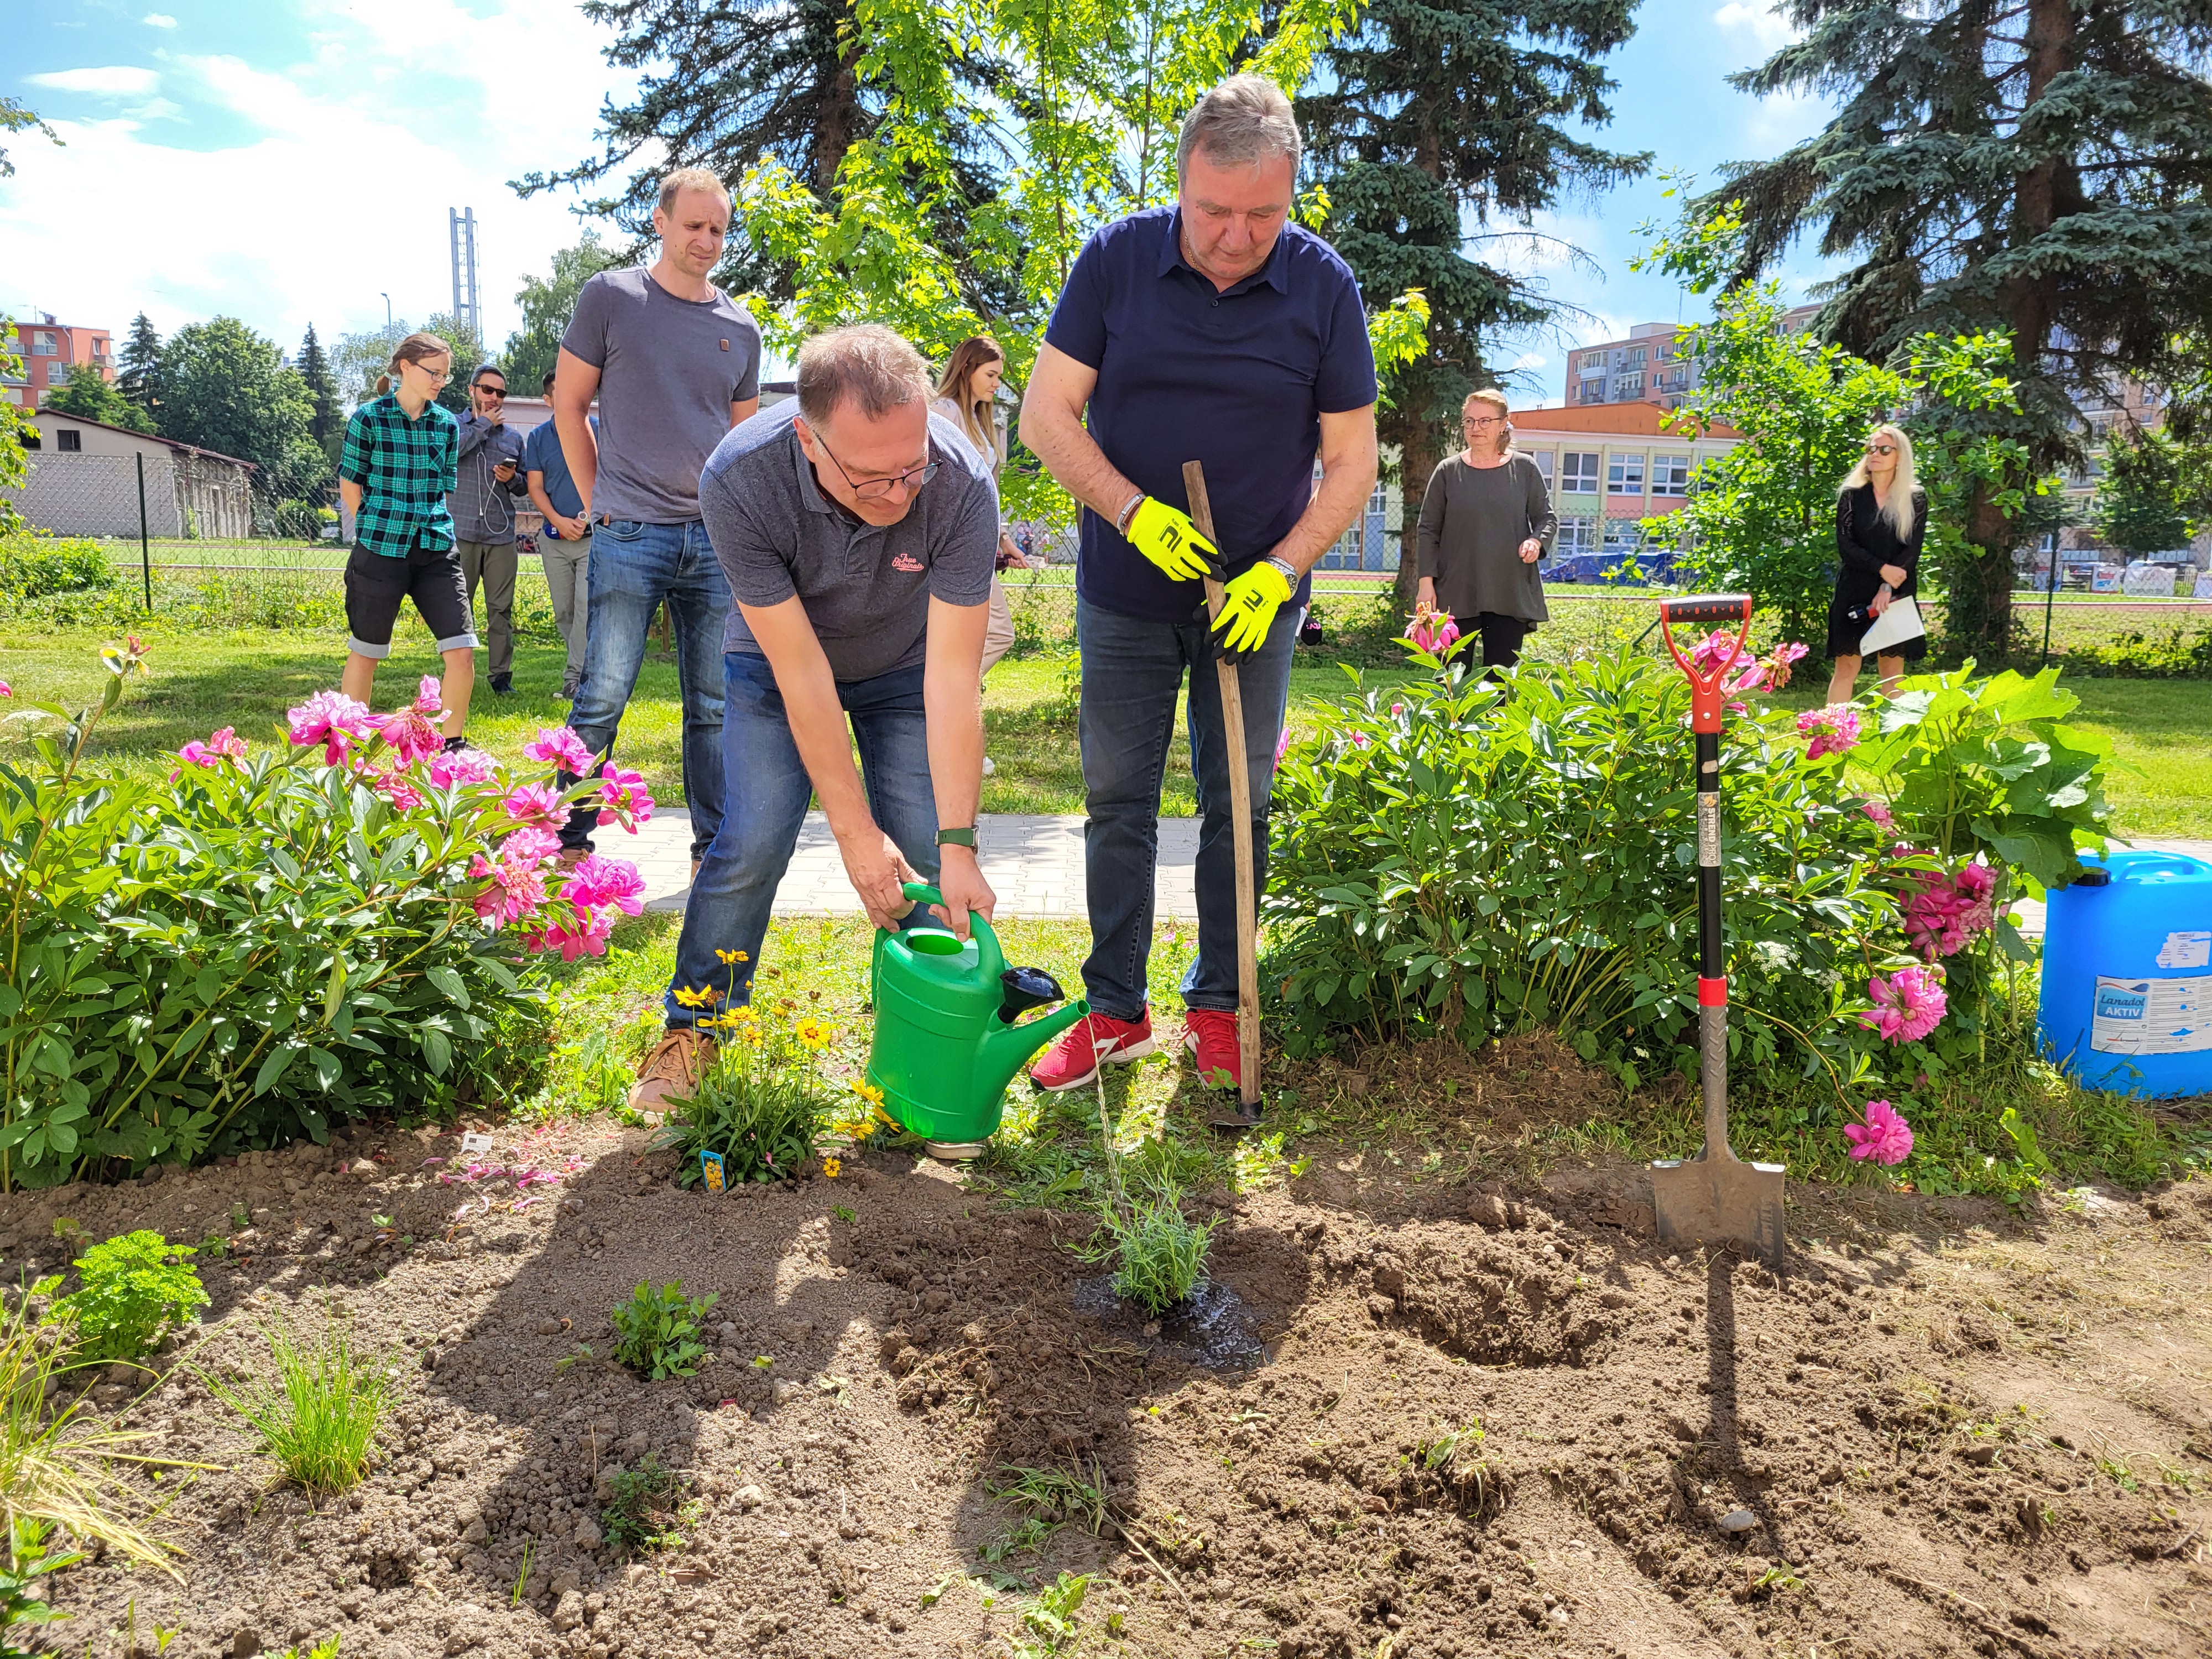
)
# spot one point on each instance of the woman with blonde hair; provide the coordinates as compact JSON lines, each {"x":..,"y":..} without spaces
{"x":1486,"y":521}
{"x":1881,"y":515}
{"x":967,"y":396}
{"x":401,"y":454}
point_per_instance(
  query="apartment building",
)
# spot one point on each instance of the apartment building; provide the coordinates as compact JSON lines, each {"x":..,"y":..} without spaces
{"x":1610,"y":468}
{"x":49,"y":350}
{"x":1648,"y":367}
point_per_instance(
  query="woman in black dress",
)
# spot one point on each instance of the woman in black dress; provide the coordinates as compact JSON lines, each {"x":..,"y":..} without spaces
{"x":1880,"y":516}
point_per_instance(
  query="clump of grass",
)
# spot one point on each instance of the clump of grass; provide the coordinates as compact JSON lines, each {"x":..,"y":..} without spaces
{"x":318,"y":1417}
{"x":649,"y":1509}
{"x":56,"y":1465}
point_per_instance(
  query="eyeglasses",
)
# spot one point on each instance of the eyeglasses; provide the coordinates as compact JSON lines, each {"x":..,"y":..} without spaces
{"x":1881,"y":449}
{"x":499,"y":391}
{"x":434,"y":379}
{"x":1481,"y":420}
{"x":874,"y":489}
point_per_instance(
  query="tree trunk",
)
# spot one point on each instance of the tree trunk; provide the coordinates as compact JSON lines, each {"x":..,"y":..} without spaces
{"x":1977,"y":607}
{"x":835,"y":119}
{"x":1418,"y":451}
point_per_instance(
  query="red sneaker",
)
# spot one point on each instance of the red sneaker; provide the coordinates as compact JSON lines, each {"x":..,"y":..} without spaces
{"x":1095,"y":1040}
{"x":1209,"y":1035}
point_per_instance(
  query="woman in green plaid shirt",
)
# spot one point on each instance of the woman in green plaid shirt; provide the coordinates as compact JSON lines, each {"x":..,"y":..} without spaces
{"x":401,"y":449}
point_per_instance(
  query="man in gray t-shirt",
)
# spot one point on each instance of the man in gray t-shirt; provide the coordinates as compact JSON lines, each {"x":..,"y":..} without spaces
{"x":675,"y":364}
{"x":857,"y":532}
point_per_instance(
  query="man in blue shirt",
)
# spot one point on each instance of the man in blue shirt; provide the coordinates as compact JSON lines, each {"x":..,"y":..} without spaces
{"x":1215,"y":330}
{"x":566,"y":547}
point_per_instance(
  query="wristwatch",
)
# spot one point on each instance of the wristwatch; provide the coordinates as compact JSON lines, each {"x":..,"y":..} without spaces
{"x":958,"y":838}
{"x":1290,"y":571}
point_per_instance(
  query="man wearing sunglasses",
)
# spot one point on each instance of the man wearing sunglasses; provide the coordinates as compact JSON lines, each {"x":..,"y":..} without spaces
{"x":857,"y":532}
{"x":485,"y":484}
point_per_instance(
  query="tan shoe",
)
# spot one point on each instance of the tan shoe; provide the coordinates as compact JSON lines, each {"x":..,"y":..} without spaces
{"x":676,"y":1063}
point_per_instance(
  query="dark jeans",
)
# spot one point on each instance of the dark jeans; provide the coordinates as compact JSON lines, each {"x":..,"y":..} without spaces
{"x":1501,"y":636}
{"x":1132,"y":670}
{"x":635,"y":566}
{"x":729,"y":901}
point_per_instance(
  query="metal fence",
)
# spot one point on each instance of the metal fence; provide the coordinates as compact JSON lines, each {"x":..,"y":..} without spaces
{"x":167,"y":494}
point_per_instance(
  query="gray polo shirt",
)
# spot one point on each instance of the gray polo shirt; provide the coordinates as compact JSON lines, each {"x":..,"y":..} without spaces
{"x":866,"y":587}
{"x":669,"y":370}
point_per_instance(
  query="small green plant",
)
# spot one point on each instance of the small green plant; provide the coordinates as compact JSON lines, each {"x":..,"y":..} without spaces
{"x":1051,"y":1617}
{"x":844,"y":1213}
{"x":522,"y":1578}
{"x":657,"y":1331}
{"x":1159,"y":1252}
{"x":319,"y":1417}
{"x":326,"y":1648}
{"x":133,"y":1290}
{"x":762,"y":1101}
{"x":1025,"y":1537}
{"x":1055,"y":1495}
{"x":649,"y":1509}
{"x":28,"y":1560}
{"x":1455,"y":1458}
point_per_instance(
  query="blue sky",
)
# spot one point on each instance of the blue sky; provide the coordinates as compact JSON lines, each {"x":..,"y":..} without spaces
{"x":294,"y":161}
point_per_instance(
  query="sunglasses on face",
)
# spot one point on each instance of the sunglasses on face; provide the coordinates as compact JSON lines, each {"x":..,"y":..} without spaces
{"x":1881,"y":449}
{"x":499,"y":391}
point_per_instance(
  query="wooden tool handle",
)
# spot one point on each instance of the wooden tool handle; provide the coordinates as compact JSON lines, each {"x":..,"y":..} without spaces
{"x":1240,"y":812}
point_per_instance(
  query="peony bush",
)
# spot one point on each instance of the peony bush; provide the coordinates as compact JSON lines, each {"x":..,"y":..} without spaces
{"x":283,"y":934}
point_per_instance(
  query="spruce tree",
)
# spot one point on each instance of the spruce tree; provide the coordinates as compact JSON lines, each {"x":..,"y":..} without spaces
{"x":140,"y":364}
{"x":1438,"y":113}
{"x":328,"y":420}
{"x":2034,"y":167}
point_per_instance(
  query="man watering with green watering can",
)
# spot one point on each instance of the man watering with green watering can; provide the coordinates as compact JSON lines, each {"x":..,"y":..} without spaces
{"x":857,"y":532}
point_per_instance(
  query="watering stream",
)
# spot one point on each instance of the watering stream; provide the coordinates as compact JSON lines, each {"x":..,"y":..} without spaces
{"x":1212,"y":1326}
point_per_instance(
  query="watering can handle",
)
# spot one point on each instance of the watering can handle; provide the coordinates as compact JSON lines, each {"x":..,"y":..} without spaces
{"x":987,"y":942}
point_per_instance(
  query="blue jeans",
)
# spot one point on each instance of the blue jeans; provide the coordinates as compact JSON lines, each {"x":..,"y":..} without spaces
{"x":735,"y":888}
{"x":1132,"y":670}
{"x":633,"y":567}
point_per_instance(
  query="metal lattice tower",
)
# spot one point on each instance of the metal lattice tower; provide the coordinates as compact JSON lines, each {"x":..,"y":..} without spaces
{"x":462,"y":225}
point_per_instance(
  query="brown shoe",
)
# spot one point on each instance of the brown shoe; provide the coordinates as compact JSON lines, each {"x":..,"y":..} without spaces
{"x":674,"y":1067}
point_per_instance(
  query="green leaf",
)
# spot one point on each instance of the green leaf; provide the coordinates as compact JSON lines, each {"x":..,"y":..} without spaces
{"x":273,"y":1068}
{"x":438,"y":1052}
{"x":448,"y":981}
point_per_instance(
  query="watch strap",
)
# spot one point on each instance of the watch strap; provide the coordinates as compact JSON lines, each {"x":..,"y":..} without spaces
{"x":958,"y":838}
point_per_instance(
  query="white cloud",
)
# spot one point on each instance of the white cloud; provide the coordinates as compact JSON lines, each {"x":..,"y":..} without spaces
{"x":112,"y":81}
{"x":156,"y":19}
{"x":1764,"y":24}
{"x":325,"y":182}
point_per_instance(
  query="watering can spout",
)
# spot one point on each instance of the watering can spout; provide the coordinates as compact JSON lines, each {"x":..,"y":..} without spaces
{"x":1006,"y":1049}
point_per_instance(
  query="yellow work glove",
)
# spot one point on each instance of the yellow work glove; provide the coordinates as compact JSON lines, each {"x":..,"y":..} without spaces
{"x":1248,"y":611}
{"x":1171,"y":541}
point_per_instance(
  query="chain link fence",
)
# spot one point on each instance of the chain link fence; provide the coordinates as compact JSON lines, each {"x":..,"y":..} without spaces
{"x":168,"y":494}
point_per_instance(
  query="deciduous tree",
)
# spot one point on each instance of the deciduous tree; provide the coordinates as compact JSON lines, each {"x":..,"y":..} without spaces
{"x":90,"y":396}
{"x":530,"y":353}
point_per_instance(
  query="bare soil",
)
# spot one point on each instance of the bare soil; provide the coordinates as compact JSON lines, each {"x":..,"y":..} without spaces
{"x":1945,"y":1428}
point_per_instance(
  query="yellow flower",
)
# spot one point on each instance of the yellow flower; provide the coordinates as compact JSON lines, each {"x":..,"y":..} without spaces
{"x":730,"y":958}
{"x":812,"y":1032}
{"x":831,"y":1166}
{"x":691,"y":997}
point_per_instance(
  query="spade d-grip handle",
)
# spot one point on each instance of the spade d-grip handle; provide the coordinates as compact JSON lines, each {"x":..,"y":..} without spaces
{"x":1705,"y":697}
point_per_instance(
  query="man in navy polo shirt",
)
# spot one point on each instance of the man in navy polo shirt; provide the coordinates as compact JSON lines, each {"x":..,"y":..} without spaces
{"x":1215,"y":330}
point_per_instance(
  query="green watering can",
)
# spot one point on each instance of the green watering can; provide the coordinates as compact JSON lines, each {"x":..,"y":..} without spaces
{"x":946,"y":1045}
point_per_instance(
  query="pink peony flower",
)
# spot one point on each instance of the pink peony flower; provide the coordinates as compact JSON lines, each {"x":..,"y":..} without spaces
{"x":606,"y":883}
{"x":1943,"y":915}
{"x":1880,"y":812}
{"x":1282,"y":745}
{"x":562,"y":748}
{"x":412,"y":732}
{"x":333,"y":720}
{"x":221,"y":747}
{"x":624,"y":794}
{"x":536,"y":806}
{"x":461,"y":766}
{"x":587,"y":937}
{"x":531,"y":845}
{"x":1834,"y":730}
{"x":396,"y":787}
{"x":1885,"y":1137}
{"x":517,"y":889}
{"x":1434,"y":632}
{"x":1907,"y":1005}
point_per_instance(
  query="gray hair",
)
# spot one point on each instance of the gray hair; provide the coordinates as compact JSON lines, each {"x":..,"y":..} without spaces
{"x":867,"y":363}
{"x":1241,"y":123}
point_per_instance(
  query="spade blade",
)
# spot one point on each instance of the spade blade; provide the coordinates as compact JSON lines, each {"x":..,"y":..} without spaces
{"x":1719,"y":1200}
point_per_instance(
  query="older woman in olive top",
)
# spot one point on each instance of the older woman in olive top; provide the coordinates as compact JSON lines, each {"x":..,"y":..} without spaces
{"x":1486,"y":521}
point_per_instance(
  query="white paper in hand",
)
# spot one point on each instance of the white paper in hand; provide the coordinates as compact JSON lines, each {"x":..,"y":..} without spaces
{"x":1895,"y":626}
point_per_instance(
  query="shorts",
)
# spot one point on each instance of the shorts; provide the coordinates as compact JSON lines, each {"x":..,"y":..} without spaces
{"x":375,"y":583}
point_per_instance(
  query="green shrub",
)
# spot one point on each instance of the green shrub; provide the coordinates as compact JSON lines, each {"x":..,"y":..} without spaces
{"x":33,"y":565}
{"x":319,"y":1417}
{"x":648,"y":1511}
{"x":132,"y":1290}
{"x":2170,"y":654}
{"x":1158,"y":1253}
{"x":762,"y":1100}
{"x":657,"y":1331}
{"x":235,"y":956}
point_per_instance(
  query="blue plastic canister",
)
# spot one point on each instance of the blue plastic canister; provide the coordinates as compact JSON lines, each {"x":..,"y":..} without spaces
{"x":2127,"y":977}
